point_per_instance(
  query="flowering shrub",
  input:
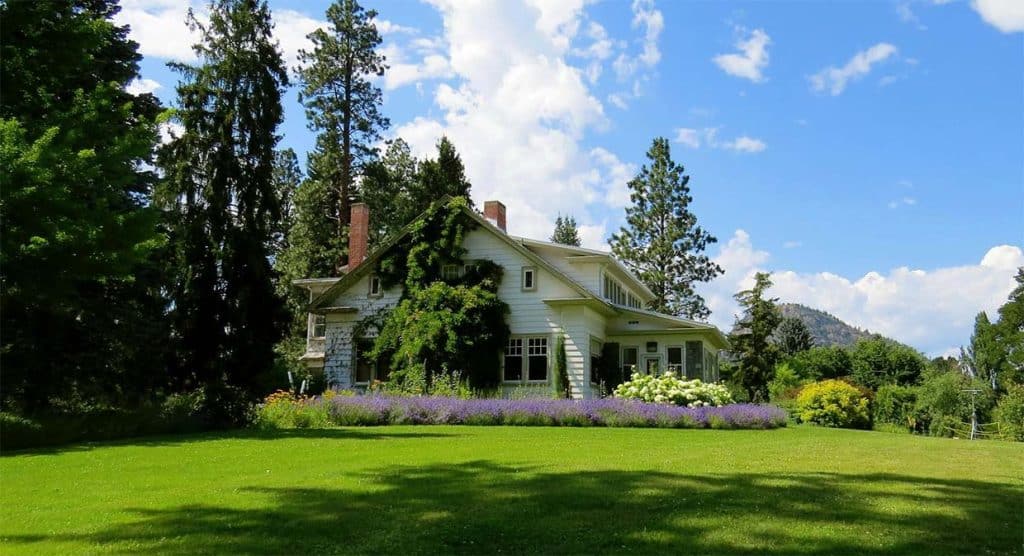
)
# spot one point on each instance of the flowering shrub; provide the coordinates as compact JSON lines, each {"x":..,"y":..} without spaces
{"x":283,"y":410}
{"x":670,"y":389}
{"x":833,"y":403}
{"x":430,"y":410}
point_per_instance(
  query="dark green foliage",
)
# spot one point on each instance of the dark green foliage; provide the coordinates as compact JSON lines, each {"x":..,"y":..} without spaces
{"x":820,"y":363}
{"x":444,"y":175}
{"x":896,"y":405}
{"x":792,"y":336}
{"x":826,"y":329}
{"x":220,"y":199}
{"x":440,"y":328}
{"x":561,"y":370}
{"x":81,"y":314}
{"x":343,"y":107}
{"x":661,"y":241}
{"x":881,"y":361}
{"x":391,"y":191}
{"x":286,"y":180}
{"x":754,"y":352}
{"x":1010,"y":335}
{"x":566,"y":232}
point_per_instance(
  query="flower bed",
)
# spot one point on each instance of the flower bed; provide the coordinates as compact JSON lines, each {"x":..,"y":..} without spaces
{"x":425,"y":410}
{"x":669,"y":388}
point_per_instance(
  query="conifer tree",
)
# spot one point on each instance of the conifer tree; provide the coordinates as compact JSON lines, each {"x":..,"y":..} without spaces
{"x":444,"y":175}
{"x":755,"y":353}
{"x":793,"y":336}
{"x":566,"y":231}
{"x":388,"y":188}
{"x":77,"y":306}
{"x":661,"y":241}
{"x":220,"y":197}
{"x":343,"y":107}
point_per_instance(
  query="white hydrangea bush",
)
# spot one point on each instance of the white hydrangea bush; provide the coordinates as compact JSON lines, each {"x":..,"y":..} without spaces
{"x":671,"y":389}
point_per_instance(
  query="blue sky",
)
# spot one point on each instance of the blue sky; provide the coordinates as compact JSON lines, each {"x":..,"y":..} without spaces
{"x":870,"y":153}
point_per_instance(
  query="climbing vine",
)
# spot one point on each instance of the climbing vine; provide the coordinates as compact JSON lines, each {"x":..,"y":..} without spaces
{"x":452,"y":326}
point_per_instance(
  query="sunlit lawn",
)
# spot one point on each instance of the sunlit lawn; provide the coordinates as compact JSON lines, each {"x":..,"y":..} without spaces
{"x":516,"y":490}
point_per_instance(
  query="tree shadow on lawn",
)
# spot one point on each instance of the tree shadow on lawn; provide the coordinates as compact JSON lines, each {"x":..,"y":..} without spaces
{"x":483,"y":507}
{"x":177,"y":439}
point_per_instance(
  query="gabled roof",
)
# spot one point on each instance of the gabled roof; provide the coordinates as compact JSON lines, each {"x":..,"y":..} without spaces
{"x":367,"y":265}
{"x":583,"y":254}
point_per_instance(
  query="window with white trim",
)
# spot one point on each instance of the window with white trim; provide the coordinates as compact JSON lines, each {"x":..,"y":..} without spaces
{"x":526,"y":360}
{"x":376,"y":289}
{"x":317,"y":325}
{"x":451,"y":271}
{"x":630,"y":357}
{"x":675,"y":360}
{"x":529,"y":279}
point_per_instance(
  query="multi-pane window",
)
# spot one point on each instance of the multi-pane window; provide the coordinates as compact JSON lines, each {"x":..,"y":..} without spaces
{"x":633,"y":301}
{"x":318,"y":326}
{"x":375,"y":286}
{"x":629,"y":360}
{"x":529,"y":278}
{"x":694,"y":360}
{"x":368,"y":370}
{"x":616,"y":293}
{"x":675,"y":360}
{"x":526,"y":359}
{"x":451,"y":271}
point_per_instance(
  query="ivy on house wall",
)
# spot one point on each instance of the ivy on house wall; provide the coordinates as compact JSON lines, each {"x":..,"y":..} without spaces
{"x":452,"y":326}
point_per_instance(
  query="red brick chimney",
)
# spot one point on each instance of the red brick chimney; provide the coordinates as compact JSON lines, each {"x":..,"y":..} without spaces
{"x":358,"y":235}
{"x":495,"y":212}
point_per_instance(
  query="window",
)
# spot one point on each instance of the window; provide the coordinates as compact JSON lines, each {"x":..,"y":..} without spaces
{"x":368,"y":370}
{"x":375,"y":287}
{"x":318,"y":326}
{"x":529,"y":279}
{"x":652,"y":365}
{"x":451,"y":272}
{"x":629,"y":360}
{"x":614,"y":292}
{"x":530,"y":365}
{"x":595,"y":362}
{"x":633,"y":301}
{"x":694,"y":360}
{"x":675,"y":360}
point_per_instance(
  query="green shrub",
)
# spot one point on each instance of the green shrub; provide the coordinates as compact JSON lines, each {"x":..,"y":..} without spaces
{"x":670,"y":389}
{"x":821,"y":363}
{"x":944,"y":405}
{"x":785,"y":385}
{"x":879,"y":361}
{"x":895,"y":406}
{"x":833,"y":403}
{"x":1009,"y":414}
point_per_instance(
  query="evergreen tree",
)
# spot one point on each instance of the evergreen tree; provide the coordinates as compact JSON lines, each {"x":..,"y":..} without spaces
{"x":985,"y":357}
{"x":343,"y":107}
{"x":220,"y":197}
{"x":444,"y":175}
{"x":793,"y":337}
{"x":79,"y":309}
{"x":661,"y":241}
{"x":388,"y":189}
{"x":287,"y":177}
{"x":566,"y":232}
{"x":755,"y":354}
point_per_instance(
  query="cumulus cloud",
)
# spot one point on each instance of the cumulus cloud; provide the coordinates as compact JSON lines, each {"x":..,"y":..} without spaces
{"x":142,"y":86}
{"x":159,"y":27}
{"x":834,"y":80}
{"x":751,"y":59}
{"x":708,"y":136}
{"x":1005,"y":15}
{"x":932,"y":310}
{"x":518,"y":111}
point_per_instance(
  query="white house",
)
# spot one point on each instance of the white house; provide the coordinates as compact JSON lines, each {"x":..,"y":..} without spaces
{"x":586,"y":295}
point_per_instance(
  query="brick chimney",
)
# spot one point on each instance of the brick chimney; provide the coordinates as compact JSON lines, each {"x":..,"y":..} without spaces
{"x":358,"y":235}
{"x":494,"y":211}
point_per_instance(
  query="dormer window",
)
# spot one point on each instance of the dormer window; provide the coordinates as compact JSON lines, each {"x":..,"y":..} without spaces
{"x":529,"y":282}
{"x":375,"y":286}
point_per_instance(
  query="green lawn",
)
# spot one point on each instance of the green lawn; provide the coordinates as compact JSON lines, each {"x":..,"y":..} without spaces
{"x":514,"y":490}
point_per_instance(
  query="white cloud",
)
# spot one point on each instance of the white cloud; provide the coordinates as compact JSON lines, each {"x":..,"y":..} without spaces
{"x":932,"y":310}
{"x":745,"y":144}
{"x":904,"y":202}
{"x":695,"y":138}
{"x":142,"y":86}
{"x":1005,"y":15}
{"x":159,"y":27}
{"x":907,"y":15}
{"x":290,"y":29}
{"x":388,"y":28}
{"x":518,"y":111}
{"x":751,"y":59}
{"x":835,"y":80}
{"x":170,"y":131}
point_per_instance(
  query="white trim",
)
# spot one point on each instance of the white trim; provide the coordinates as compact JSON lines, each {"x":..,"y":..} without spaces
{"x":532,"y":271}
{"x":524,"y":354}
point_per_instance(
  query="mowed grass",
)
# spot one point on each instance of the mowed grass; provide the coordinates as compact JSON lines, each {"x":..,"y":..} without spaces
{"x":477,"y":490}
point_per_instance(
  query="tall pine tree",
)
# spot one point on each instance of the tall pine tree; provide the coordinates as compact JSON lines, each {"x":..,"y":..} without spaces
{"x":389,"y":188}
{"x":79,"y":312}
{"x":755,"y":353}
{"x":444,"y":175}
{"x":343,"y":107}
{"x":220,"y":197}
{"x":661,"y":241}
{"x":793,"y":336}
{"x":566,"y":231}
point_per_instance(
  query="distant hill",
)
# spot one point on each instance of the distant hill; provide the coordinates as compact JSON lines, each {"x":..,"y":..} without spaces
{"x":826,"y":329}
